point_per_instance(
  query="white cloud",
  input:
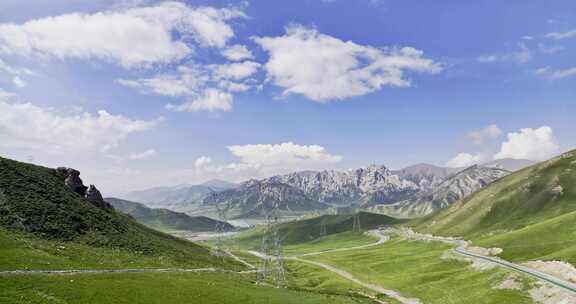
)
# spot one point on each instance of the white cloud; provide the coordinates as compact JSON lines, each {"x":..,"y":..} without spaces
{"x":236,"y":70}
{"x":132,"y":37}
{"x":4,"y":67}
{"x":5,"y":94}
{"x":465,"y":160}
{"x":27,"y":126}
{"x":523,"y":55}
{"x":324,"y":68}
{"x":489,"y":132}
{"x":211,"y":100}
{"x":562,"y":35}
{"x":263,"y":160}
{"x":187,"y":81}
{"x":283,"y":154}
{"x":18,"y":82}
{"x":142,"y":155}
{"x":209,"y":86}
{"x":528,"y":143}
{"x":237,"y":52}
{"x":553,"y":74}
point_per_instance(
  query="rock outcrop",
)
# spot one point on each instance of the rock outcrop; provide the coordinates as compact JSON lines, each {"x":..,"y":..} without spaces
{"x":73,"y":181}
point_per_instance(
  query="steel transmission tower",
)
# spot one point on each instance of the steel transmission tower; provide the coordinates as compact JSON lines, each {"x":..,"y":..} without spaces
{"x":221,"y":228}
{"x":323,"y":229}
{"x":356,"y":223}
{"x":272,"y":267}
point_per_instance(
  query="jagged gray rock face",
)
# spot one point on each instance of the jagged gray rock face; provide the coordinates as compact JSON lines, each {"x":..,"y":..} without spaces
{"x":450,"y":190}
{"x":72,"y":180}
{"x":95,"y":197}
{"x":254,"y":197}
{"x":370,"y":184}
{"x":413,"y":191}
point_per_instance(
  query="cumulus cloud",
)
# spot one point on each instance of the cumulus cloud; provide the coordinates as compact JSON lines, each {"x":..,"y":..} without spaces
{"x":212,"y":100}
{"x":210,"y":86}
{"x":131,"y":37}
{"x":562,"y":35}
{"x":283,"y":154}
{"x":465,"y":160}
{"x":528,"y":143}
{"x":237,"y":52}
{"x":237,"y":70}
{"x":262,"y":160}
{"x":556,"y":74}
{"x":324,"y":68}
{"x":142,"y":155}
{"x":27,"y":126}
{"x":489,"y":132}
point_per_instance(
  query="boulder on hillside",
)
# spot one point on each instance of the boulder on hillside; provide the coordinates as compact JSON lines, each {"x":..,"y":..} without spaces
{"x":72,"y":180}
{"x":95,"y":197}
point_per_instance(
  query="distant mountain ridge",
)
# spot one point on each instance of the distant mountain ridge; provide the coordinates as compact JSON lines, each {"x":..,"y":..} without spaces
{"x":413,"y":191}
{"x":181,"y":197}
{"x":164,"y":219}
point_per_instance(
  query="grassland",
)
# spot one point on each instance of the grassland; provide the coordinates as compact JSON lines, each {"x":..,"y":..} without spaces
{"x":529,"y":214}
{"x":417,"y":269}
{"x":142,"y":288}
{"x":305,"y":235}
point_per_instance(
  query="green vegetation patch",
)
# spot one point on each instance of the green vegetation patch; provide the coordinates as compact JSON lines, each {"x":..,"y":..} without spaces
{"x":156,"y":288}
{"x":417,"y":269}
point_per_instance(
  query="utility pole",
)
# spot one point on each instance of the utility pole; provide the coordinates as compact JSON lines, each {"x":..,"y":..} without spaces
{"x":272,"y":267}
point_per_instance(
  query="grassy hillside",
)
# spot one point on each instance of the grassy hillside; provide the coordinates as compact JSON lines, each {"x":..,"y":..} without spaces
{"x":530,"y":213}
{"x":308,"y":230}
{"x":158,"y":288}
{"x":164,"y":219}
{"x":37,"y":211}
{"x":425,"y":271}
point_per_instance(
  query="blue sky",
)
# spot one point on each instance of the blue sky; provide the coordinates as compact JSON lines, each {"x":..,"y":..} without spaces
{"x":308,"y":84}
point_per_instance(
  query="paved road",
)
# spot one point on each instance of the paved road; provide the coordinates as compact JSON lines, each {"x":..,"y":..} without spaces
{"x":461,"y":249}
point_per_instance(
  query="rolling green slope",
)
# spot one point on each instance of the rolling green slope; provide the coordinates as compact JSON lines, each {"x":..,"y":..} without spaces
{"x":39,"y":214}
{"x":164,"y":219}
{"x":308,"y":230}
{"x":530,"y":213}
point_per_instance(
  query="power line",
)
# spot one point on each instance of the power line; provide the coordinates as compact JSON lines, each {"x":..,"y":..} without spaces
{"x":272,"y":267}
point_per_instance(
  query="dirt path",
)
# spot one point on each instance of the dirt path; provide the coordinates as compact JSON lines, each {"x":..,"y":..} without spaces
{"x":379,"y":289}
{"x":93,"y":271}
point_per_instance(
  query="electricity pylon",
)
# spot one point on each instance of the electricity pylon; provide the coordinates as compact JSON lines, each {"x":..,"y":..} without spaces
{"x":356,"y":224}
{"x":221,"y":228}
{"x":272,"y":267}
{"x":323,"y":229}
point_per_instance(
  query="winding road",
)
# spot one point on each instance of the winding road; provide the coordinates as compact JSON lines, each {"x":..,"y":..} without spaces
{"x":346,"y":275}
{"x":460,"y":249}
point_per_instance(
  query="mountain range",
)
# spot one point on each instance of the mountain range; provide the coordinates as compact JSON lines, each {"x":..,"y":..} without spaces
{"x":413,"y":191}
{"x":164,"y":219}
{"x":410,"y":192}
